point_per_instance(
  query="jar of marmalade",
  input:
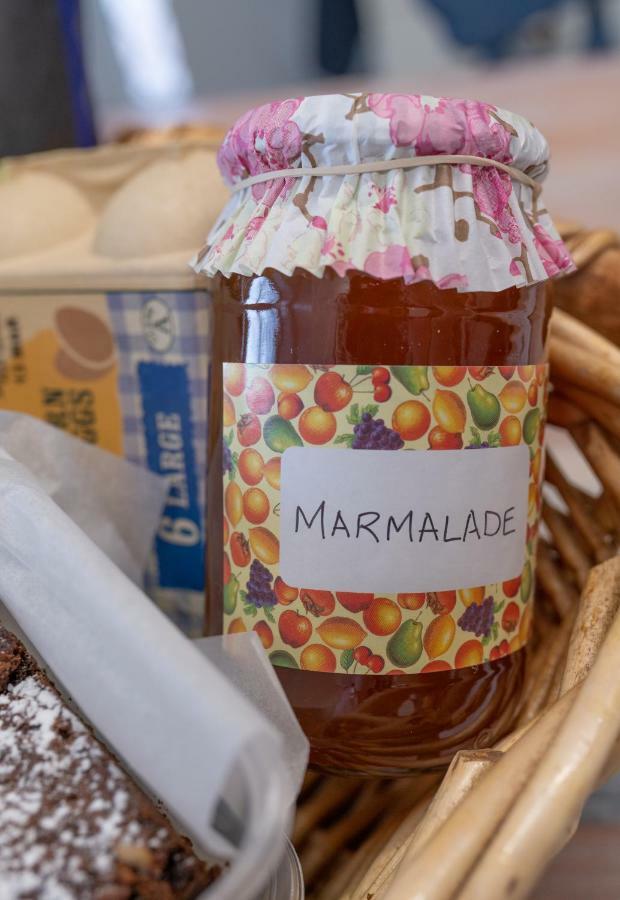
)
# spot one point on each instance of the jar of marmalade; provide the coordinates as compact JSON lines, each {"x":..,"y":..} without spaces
{"x":379,"y":286}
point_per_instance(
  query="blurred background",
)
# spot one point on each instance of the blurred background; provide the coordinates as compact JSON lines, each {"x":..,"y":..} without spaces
{"x":98,"y":68}
{"x":74,"y":74}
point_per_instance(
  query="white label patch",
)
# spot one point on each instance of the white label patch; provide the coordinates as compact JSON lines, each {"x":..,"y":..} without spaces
{"x":387,"y":522}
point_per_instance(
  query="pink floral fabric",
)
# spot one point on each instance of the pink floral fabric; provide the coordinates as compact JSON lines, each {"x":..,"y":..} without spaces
{"x":447,"y":126}
{"x":460,"y":226}
{"x":264,"y":139}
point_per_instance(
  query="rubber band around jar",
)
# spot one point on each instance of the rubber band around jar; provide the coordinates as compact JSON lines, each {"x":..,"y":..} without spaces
{"x":385,"y":165}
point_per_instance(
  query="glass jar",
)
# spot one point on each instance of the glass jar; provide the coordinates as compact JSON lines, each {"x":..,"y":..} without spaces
{"x":386,"y":304}
{"x":366,"y":723}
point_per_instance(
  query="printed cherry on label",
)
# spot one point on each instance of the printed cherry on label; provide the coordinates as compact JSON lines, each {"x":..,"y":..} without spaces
{"x":382,"y":393}
{"x":380,"y":375}
{"x":361,"y":655}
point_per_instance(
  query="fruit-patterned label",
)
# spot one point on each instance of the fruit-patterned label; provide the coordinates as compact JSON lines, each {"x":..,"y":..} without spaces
{"x":381,"y":562}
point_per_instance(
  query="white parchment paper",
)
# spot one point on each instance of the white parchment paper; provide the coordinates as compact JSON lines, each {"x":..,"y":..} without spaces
{"x":168,"y":711}
{"x":117,"y":504}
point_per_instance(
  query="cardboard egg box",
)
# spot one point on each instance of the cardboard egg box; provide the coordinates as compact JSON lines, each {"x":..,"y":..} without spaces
{"x":104,"y":328}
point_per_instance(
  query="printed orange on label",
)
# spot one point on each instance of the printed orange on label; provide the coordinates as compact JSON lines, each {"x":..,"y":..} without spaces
{"x":317,"y":426}
{"x":382,"y":616}
{"x":318,"y":658}
{"x":411,"y":420}
{"x":255,"y":505}
{"x":471,"y":653}
{"x":251,"y":466}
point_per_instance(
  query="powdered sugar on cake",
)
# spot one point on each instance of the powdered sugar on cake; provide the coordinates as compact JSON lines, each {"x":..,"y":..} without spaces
{"x":64,"y":805}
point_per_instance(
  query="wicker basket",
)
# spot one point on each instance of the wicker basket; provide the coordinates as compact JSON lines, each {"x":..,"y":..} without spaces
{"x":489,"y":826}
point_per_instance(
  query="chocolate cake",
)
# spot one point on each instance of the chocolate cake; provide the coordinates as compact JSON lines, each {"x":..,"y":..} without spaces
{"x":72,"y":823}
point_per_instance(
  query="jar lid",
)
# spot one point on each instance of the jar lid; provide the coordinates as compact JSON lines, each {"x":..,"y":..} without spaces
{"x":392,"y":208}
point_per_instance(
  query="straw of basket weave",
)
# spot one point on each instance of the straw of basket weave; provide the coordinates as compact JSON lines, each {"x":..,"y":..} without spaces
{"x":546,"y":812}
{"x":465,"y":770}
{"x":437,"y":870}
{"x":584,"y":405}
{"x":592,"y":622}
{"x":601,"y":456}
{"x":593,"y":244}
{"x":567,"y":543}
{"x":591,"y":293}
{"x":561,"y":412}
{"x":549,"y":575}
{"x":573,"y":736}
{"x":567,"y":328}
{"x":580,"y":512}
{"x":541,"y":678}
{"x":581,"y":367}
{"x":395,"y":843}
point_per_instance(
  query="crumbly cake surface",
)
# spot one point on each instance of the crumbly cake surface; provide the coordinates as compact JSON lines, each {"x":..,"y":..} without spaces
{"x":72,"y":823}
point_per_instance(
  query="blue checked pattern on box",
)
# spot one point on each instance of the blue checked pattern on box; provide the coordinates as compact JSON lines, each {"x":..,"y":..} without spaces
{"x":162,"y":345}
